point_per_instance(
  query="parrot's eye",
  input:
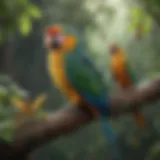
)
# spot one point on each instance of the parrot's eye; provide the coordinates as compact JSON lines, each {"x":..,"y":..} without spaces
{"x":57,"y":42}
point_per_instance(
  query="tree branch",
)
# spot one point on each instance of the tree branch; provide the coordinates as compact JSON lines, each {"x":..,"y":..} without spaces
{"x":32,"y":135}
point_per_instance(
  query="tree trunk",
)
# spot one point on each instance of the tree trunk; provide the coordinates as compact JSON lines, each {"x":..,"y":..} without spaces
{"x":6,"y":58}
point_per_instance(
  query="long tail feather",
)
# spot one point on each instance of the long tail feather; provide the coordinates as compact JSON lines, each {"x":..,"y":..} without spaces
{"x":109,"y":134}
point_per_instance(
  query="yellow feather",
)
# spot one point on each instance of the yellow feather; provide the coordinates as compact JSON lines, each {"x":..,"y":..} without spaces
{"x":57,"y":74}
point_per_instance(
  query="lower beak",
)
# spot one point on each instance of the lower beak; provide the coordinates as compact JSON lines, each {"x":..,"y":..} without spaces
{"x":56,"y":45}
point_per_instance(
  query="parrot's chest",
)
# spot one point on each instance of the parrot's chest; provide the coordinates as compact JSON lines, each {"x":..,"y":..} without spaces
{"x":117,"y":65}
{"x":55,"y":68}
{"x":58,"y":76}
{"x":119,"y":71}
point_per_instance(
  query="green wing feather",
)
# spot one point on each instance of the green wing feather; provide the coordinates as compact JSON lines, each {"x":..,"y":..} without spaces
{"x":130,"y":73}
{"x":82,"y":74}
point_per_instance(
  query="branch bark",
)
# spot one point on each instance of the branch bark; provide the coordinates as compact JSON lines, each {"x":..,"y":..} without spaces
{"x":32,"y":135}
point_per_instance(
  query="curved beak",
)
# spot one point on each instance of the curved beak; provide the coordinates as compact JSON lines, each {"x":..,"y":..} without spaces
{"x":53,"y":42}
{"x":56,"y":43}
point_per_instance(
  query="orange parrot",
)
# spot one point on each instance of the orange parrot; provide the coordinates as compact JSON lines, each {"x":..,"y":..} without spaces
{"x":123,"y":76}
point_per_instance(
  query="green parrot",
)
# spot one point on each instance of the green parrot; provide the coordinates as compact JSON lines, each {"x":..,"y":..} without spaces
{"x":75,"y":75}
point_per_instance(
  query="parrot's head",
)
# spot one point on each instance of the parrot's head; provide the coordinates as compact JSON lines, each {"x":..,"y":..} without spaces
{"x":113,"y":48}
{"x":56,"y":38}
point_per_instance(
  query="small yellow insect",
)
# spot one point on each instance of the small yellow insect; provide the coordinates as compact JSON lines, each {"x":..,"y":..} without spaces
{"x":29,"y":106}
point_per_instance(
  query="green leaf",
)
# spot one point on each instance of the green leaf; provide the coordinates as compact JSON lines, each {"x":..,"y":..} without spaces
{"x":147,"y":25}
{"x":34,"y":11}
{"x":155,"y":149}
{"x":24,"y":24}
{"x":131,"y":27}
{"x":135,"y":14}
{"x":6,"y":129}
{"x":22,"y":2}
{"x":3,"y":91}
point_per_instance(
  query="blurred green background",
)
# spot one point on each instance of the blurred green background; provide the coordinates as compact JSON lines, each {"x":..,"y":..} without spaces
{"x":102,"y":22}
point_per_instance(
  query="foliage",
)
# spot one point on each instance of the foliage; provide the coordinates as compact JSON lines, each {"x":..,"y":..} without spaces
{"x":152,"y":7}
{"x":139,"y":16}
{"x":8,"y":90}
{"x":17,"y":15}
{"x":14,"y":101}
{"x":28,"y":105}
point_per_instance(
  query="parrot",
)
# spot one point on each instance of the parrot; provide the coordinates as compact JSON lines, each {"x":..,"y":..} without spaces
{"x":75,"y":75}
{"x":123,"y":76}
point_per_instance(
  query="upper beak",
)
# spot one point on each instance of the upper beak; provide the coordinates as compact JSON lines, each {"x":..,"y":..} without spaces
{"x":53,"y":42}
